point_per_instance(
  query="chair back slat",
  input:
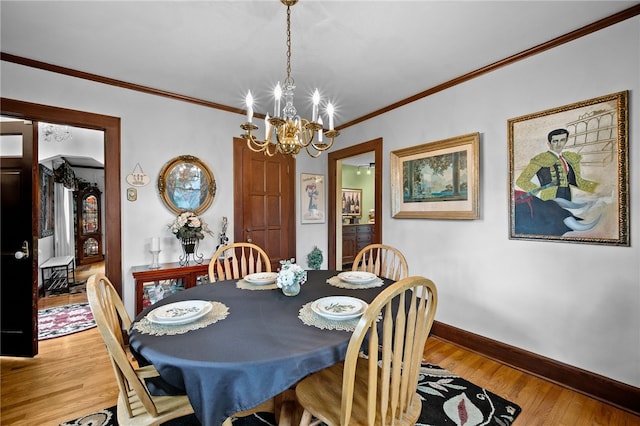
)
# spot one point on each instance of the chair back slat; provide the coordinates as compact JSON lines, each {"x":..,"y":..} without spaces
{"x":382,"y":260}
{"x":237,"y":260}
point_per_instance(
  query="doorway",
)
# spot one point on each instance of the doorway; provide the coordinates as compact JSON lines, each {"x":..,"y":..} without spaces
{"x":111,"y":127}
{"x":335,"y":189}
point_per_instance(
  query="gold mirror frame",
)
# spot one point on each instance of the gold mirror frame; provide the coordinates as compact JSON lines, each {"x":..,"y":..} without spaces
{"x":185,"y":183}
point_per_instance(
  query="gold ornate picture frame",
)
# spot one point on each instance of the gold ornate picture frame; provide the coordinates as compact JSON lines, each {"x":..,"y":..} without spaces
{"x":437,"y":180}
{"x":186,"y":183}
{"x":569,"y":173}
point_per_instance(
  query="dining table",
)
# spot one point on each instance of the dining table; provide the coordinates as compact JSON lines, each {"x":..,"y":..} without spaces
{"x":261,"y":343}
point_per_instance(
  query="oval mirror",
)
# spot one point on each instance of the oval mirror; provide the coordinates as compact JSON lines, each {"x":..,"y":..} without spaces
{"x":186,"y":183}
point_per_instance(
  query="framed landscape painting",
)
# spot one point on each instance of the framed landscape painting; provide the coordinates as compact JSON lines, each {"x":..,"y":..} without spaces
{"x":568,"y":173}
{"x":437,"y":180}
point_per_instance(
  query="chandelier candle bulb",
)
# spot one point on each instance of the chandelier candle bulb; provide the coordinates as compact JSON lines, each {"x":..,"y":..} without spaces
{"x":330,"y":113}
{"x":320,"y":131}
{"x":316,"y":101}
{"x":249,"y":101}
{"x":277,"y":93}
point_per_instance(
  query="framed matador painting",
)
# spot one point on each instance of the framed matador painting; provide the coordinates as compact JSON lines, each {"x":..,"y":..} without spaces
{"x":569,"y":173}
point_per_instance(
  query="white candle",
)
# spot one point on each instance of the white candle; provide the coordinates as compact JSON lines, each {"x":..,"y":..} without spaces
{"x":277,"y":93}
{"x":249,"y":101}
{"x":266,"y":127}
{"x":330,"y":112}
{"x":155,"y":244}
{"x":316,"y":101}
{"x":321,"y":129}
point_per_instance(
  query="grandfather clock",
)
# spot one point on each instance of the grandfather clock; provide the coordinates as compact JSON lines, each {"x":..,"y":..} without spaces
{"x":88,"y":226}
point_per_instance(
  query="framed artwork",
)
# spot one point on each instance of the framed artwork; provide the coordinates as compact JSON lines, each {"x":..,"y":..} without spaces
{"x":437,"y":180}
{"x":46,"y":217}
{"x":569,"y":173}
{"x":351,"y":202}
{"x":312,"y":204}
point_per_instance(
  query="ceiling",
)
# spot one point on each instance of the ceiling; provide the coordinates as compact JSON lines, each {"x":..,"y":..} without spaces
{"x":362,"y":55}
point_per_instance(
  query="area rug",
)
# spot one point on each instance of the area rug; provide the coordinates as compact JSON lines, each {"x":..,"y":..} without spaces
{"x":64,"y":320}
{"x":447,"y":399}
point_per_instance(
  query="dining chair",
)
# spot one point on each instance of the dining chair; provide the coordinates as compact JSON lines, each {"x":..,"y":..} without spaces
{"x":236,"y":260}
{"x":136,"y":405}
{"x":382,"y":260}
{"x":376,"y":383}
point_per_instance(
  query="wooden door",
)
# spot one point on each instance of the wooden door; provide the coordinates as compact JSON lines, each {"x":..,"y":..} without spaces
{"x":18,"y":276}
{"x":264,"y":197}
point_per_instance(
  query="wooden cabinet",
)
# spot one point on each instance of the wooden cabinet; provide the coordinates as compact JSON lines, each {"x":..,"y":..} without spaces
{"x":88,"y":225}
{"x":354,"y":239}
{"x":155,"y":284}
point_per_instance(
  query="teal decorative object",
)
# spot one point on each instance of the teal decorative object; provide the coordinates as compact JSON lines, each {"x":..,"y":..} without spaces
{"x":314,"y":258}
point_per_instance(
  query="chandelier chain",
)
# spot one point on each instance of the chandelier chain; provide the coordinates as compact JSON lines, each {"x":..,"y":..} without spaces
{"x":288,"y":80}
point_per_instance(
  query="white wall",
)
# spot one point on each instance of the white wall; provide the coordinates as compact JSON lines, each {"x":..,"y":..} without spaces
{"x":571,"y":302}
{"x":575,"y":303}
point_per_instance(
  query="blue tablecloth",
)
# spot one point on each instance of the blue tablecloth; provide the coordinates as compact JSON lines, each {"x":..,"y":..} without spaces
{"x":261,"y":349}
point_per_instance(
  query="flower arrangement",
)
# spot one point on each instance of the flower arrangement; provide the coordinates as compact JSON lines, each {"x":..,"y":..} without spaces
{"x":189,"y":225}
{"x":290,"y":274}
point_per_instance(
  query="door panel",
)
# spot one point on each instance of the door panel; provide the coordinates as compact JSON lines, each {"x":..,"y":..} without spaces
{"x":18,"y":279}
{"x":264,"y":201}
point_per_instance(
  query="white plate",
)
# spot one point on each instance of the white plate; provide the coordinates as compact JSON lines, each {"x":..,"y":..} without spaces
{"x":357,"y":277}
{"x":339,"y":307}
{"x":261,"y":278}
{"x":180,"y":312}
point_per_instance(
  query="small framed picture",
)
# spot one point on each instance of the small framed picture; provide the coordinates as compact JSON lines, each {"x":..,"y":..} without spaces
{"x":351,"y":202}
{"x":437,"y":180}
{"x":312,"y":198}
{"x":132,"y":194}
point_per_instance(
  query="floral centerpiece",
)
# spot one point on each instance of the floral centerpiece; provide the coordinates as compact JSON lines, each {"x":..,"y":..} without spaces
{"x":188,"y":225}
{"x":189,"y":229}
{"x":290,"y":277}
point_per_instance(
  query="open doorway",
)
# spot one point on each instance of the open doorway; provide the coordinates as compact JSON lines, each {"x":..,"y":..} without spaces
{"x":72,"y":214}
{"x":335,"y":213}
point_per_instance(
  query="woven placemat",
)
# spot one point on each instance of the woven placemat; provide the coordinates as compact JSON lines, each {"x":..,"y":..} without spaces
{"x":245,"y":285}
{"x":310,"y":318}
{"x":219,"y":311}
{"x":337,"y":282}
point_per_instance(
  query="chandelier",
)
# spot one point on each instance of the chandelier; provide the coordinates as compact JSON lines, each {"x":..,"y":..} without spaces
{"x":54,"y":132}
{"x":286,"y":132}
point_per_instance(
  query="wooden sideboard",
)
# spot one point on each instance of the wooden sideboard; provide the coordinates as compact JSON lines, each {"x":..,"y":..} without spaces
{"x":155,"y":284}
{"x":354,"y":239}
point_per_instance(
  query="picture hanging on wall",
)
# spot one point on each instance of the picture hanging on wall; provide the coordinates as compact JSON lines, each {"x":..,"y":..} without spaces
{"x":312,"y":204}
{"x":568,"y":173}
{"x":437,"y":180}
{"x":46,"y":214}
{"x":351,"y":202}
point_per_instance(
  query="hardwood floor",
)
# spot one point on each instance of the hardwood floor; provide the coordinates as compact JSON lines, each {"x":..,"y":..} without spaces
{"x":72,"y":376}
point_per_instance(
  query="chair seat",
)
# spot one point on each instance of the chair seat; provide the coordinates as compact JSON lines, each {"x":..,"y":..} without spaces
{"x":313,"y":393}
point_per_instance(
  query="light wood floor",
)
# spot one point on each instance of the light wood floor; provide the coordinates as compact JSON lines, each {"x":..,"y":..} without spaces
{"x":72,"y":376}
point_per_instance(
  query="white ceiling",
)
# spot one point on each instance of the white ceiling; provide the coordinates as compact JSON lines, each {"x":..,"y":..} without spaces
{"x":362,"y":55}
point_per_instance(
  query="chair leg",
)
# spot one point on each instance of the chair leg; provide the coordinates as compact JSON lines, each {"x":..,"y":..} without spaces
{"x":227,"y":422}
{"x":306,"y":418}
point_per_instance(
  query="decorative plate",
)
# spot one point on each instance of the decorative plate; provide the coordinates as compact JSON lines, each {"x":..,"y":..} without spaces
{"x":357,"y":277}
{"x":339,"y":307}
{"x":180,"y":312}
{"x":261,"y":278}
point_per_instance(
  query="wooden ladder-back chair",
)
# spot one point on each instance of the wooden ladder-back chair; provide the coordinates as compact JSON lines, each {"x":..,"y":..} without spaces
{"x":237,"y":260}
{"x":378,"y":388}
{"x":136,"y":406}
{"x":382,"y":260}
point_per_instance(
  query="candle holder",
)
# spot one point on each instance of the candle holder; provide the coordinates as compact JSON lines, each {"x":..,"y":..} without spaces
{"x":155,"y":264}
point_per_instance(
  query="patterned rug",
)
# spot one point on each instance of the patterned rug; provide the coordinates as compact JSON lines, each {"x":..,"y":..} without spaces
{"x":447,"y":399}
{"x":64,"y":320}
